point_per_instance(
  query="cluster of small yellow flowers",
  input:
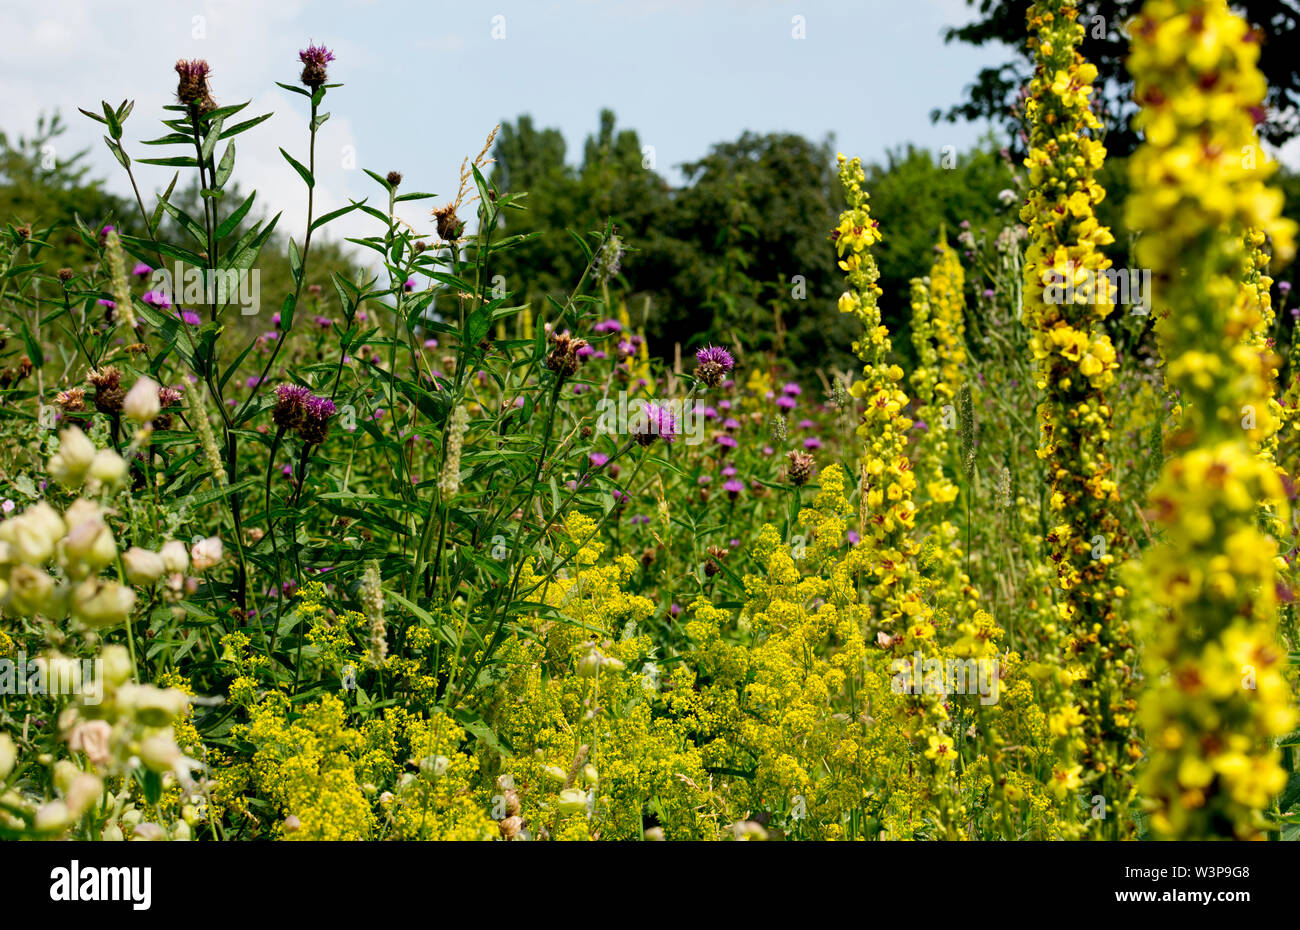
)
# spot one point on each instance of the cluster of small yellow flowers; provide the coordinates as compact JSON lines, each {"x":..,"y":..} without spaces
{"x":434,"y":800}
{"x":594,"y":758}
{"x":1217,"y":694}
{"x":887,"y":555}
{"x":938,"y":335}
{"x":948,"y":310}
{"x":1067,"y":296}
{"x":305,"y":766}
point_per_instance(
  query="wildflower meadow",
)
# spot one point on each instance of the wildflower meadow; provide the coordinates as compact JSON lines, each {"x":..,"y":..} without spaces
{"x":419,"y":532}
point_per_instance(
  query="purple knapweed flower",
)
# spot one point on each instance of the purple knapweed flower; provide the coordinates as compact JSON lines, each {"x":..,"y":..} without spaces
{"x":314,"y":59}
{"x":714,"y":363}
{"x":654,"y":420}
{"x":158,"y":299}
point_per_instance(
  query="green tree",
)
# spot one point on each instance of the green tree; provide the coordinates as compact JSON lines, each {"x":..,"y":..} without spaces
{"x":994,"y":95}
{"x":46,"y":187}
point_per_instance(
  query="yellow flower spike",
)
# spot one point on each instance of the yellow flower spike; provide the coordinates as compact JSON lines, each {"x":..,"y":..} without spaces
{"x":1067,"y":296}
{"x":1193,"y":62}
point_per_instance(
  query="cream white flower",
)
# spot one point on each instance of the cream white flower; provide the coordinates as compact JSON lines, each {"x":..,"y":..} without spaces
{"x":206,"y":553}
{"x":142,"y":566}
{"x":174,"y":557}
{"x":69,"y":465}
{"x":99,"y":603}
{"x":108,"y":468}
{"x":141,"y":403}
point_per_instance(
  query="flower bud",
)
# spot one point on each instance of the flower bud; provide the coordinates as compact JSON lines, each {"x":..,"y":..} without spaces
{"x":556,"y":774}
{"x":206,"y":553}
{"x":153,"y":706}
{"x":53,"y":817}
{"x":159,"y":752}
{"x":8,"y":755}
{"x":30,"y":591}
{"x":83,"y":792}
{"x":572,"y":801}
{"x":148,"y":832}
{"x":181,"y":833}
{"x":89,"y":546}
{"x":32,"y":536}
{"x":435,"y":766}
{"x":117,"y":664}
{"x":69,"y":465}
{"x":108,"y":468}
{"x":175,"y":558}
{"x":141,"y":404}
{"x":112,"y":833}
{"x":98,"y":603}
{"x":142,"y":566}
{"x":64,"y":772}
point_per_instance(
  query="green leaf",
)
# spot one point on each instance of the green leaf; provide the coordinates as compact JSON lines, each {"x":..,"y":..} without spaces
{"x":231,"y":222}
{"x":156,"y":219}
{"x":295,"y":262}
{"x":298,"y":167}
{"x":122,"y":158}
{"x":226,"y":166}
{"x":245,"y":125}
{"x":335,"y":214}
{"x":210,"y":141}
{"x":176,"y":161}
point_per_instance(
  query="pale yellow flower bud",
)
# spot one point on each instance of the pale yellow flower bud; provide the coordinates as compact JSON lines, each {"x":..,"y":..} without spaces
{"x":141,"y":403}
{"x":174,"y":556}
{"x":108,"y":468}
{"x":8,"y":755}
{"x":98,"y":603}
{"x":142,"y":566}
{"x":206,"y":553}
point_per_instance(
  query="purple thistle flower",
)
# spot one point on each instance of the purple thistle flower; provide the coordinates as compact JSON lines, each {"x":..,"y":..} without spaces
{"x":786,"y":403}
{"x":190,"y":318}
{"x":316,"y":416}
{"x":158,"y":299}
{"x":715,"y":355}
{"x":727,"y":442}
{"x":192,"y":86}
{"x":812,"y":442}
{"x":314,"y":58}
{"x":141,"y":270}
{"x":598,"y":459}
{"x":290,"y":406}
{"x":733,"y":488}
{"x":731,"y":423}
{"x":792,"y":389}
{"x":654,"y":420}
{"x":714,"y":363}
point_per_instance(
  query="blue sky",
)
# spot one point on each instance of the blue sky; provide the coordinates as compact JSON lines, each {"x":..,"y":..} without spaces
{"x":425,"y":82}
